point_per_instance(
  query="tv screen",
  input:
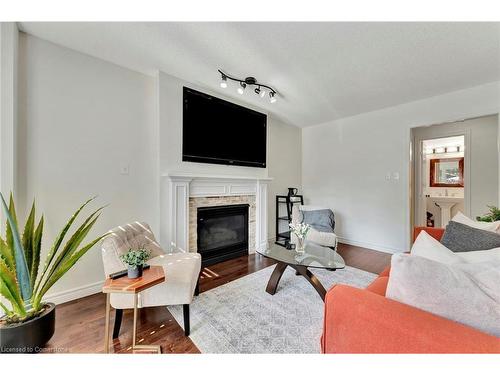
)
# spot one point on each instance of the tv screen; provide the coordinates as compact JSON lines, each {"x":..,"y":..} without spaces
{"x":219,"y":132}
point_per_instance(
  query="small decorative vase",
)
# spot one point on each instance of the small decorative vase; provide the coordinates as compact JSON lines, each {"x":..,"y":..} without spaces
{"x":301,"y":245}
{"x":292,"y":192}
{"x":134,"y":272}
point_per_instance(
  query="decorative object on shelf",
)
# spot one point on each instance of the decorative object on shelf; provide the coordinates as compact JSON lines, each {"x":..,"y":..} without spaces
{"x":135,"y":261}
{"x":284,"y":202}
{"x":29,"y":322}
{"x":260,"y":88}
{"x":292,"y":195}
{"x":493,"y":215}
{"x":430,"y":220}
{"x":300,"y":230}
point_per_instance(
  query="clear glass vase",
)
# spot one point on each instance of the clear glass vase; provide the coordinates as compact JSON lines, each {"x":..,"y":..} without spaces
{"x":301,"y":245}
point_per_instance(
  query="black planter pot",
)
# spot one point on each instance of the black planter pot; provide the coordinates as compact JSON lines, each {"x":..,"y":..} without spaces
{"x":30,"y":336}
{"x":134,"y":273}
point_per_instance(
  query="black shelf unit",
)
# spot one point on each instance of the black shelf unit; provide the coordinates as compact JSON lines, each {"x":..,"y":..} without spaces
{"x":286,"y":202}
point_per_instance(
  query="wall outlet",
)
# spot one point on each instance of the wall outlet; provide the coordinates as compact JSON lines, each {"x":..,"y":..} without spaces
{"x":388,"y":176}
{"x":124,"y":169}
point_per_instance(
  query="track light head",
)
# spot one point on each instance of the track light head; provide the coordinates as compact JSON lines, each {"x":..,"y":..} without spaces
{"x":272,"y":97}
{"x":242,"y":87}
{"x":257,"y":90}
{"x":223,"y":82}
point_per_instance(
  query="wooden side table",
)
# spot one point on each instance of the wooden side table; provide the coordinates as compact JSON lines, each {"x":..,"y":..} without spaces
{"x":151,"y":277}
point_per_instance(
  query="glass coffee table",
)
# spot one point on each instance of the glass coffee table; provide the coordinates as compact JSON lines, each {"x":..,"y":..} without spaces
{"x":314,"y":256}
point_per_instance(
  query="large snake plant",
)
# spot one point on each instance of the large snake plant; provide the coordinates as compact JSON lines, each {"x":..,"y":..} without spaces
{"x":22,"y":282}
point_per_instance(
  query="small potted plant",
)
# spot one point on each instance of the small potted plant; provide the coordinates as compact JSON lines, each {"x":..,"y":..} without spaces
{"x":300,"y":230}
{"x":135,"y":261}
{"x":493,"y":215}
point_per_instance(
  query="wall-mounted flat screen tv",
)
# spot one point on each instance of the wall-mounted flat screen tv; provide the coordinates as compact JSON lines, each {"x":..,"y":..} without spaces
{"x":219,"y":132}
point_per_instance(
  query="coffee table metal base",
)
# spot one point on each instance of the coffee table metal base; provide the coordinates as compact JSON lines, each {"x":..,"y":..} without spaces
{"x":275,"y":278}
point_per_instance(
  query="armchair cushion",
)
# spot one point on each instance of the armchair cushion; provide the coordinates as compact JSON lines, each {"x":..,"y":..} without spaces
{"x":181,"y":275}
{"x":322,"y":238}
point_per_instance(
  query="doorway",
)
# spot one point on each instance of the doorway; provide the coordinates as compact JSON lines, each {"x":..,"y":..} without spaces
{"x":454,"y":168}
{"x":441,"y":180}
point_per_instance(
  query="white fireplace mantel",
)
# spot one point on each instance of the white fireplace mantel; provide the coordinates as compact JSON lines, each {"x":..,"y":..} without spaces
{"x":183,"y":186}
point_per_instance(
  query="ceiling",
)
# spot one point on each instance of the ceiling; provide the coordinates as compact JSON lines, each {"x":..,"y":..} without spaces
{"x":322,"y":71}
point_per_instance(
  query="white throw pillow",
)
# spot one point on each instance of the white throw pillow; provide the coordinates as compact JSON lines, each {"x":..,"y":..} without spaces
{"x":428,"y":247}
{"x":467,"y":293}
{"x":462,"y":219}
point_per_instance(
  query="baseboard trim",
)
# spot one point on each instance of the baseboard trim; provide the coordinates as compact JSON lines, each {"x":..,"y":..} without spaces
{"x":369,"y":245}
{"x":75,"y":293}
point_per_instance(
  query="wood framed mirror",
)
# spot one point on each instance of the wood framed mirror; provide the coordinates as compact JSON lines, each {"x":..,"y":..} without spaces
{"x":448,"y":172}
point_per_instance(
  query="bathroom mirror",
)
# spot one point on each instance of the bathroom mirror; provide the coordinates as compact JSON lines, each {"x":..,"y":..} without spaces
{"x":447,"y":172}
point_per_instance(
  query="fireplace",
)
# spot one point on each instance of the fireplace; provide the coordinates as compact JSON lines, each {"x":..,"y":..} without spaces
{"x":222,"y":232}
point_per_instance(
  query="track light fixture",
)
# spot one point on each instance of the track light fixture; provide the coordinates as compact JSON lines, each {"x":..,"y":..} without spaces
{"x":260,"y":88}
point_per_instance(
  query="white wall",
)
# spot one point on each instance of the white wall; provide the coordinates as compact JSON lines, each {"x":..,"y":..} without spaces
{"x":283,"y":153}
{"x":284,"y":165}
{"x":345,"y":163}
{"x":8,"y":107}
{"x":81,"y":119}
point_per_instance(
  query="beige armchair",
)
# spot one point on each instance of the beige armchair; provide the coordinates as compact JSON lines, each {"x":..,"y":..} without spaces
{"x":181,"y":271}
{"x":328,"y":239}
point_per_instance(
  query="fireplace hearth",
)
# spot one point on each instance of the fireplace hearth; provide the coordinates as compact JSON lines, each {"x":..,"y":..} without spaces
{"x":222,"y":232}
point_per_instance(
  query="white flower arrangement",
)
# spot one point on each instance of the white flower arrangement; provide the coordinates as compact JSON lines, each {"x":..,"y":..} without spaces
{"x":300,"y":229}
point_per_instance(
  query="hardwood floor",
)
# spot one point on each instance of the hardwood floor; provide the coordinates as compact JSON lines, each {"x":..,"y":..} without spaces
{"x":80,"y":323}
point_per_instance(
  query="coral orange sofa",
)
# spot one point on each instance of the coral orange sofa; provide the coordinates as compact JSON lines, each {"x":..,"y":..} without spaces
{"x":365,"y":321}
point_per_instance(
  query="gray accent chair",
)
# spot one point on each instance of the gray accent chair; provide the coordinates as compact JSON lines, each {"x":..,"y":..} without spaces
{"x":322,"y":238}
{"x":182,"y":271}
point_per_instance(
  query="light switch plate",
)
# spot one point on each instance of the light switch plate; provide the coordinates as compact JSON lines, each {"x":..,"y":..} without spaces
{"x":395,"y":175}
{"x":124,"y":169}
{"x":388,"y":176}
